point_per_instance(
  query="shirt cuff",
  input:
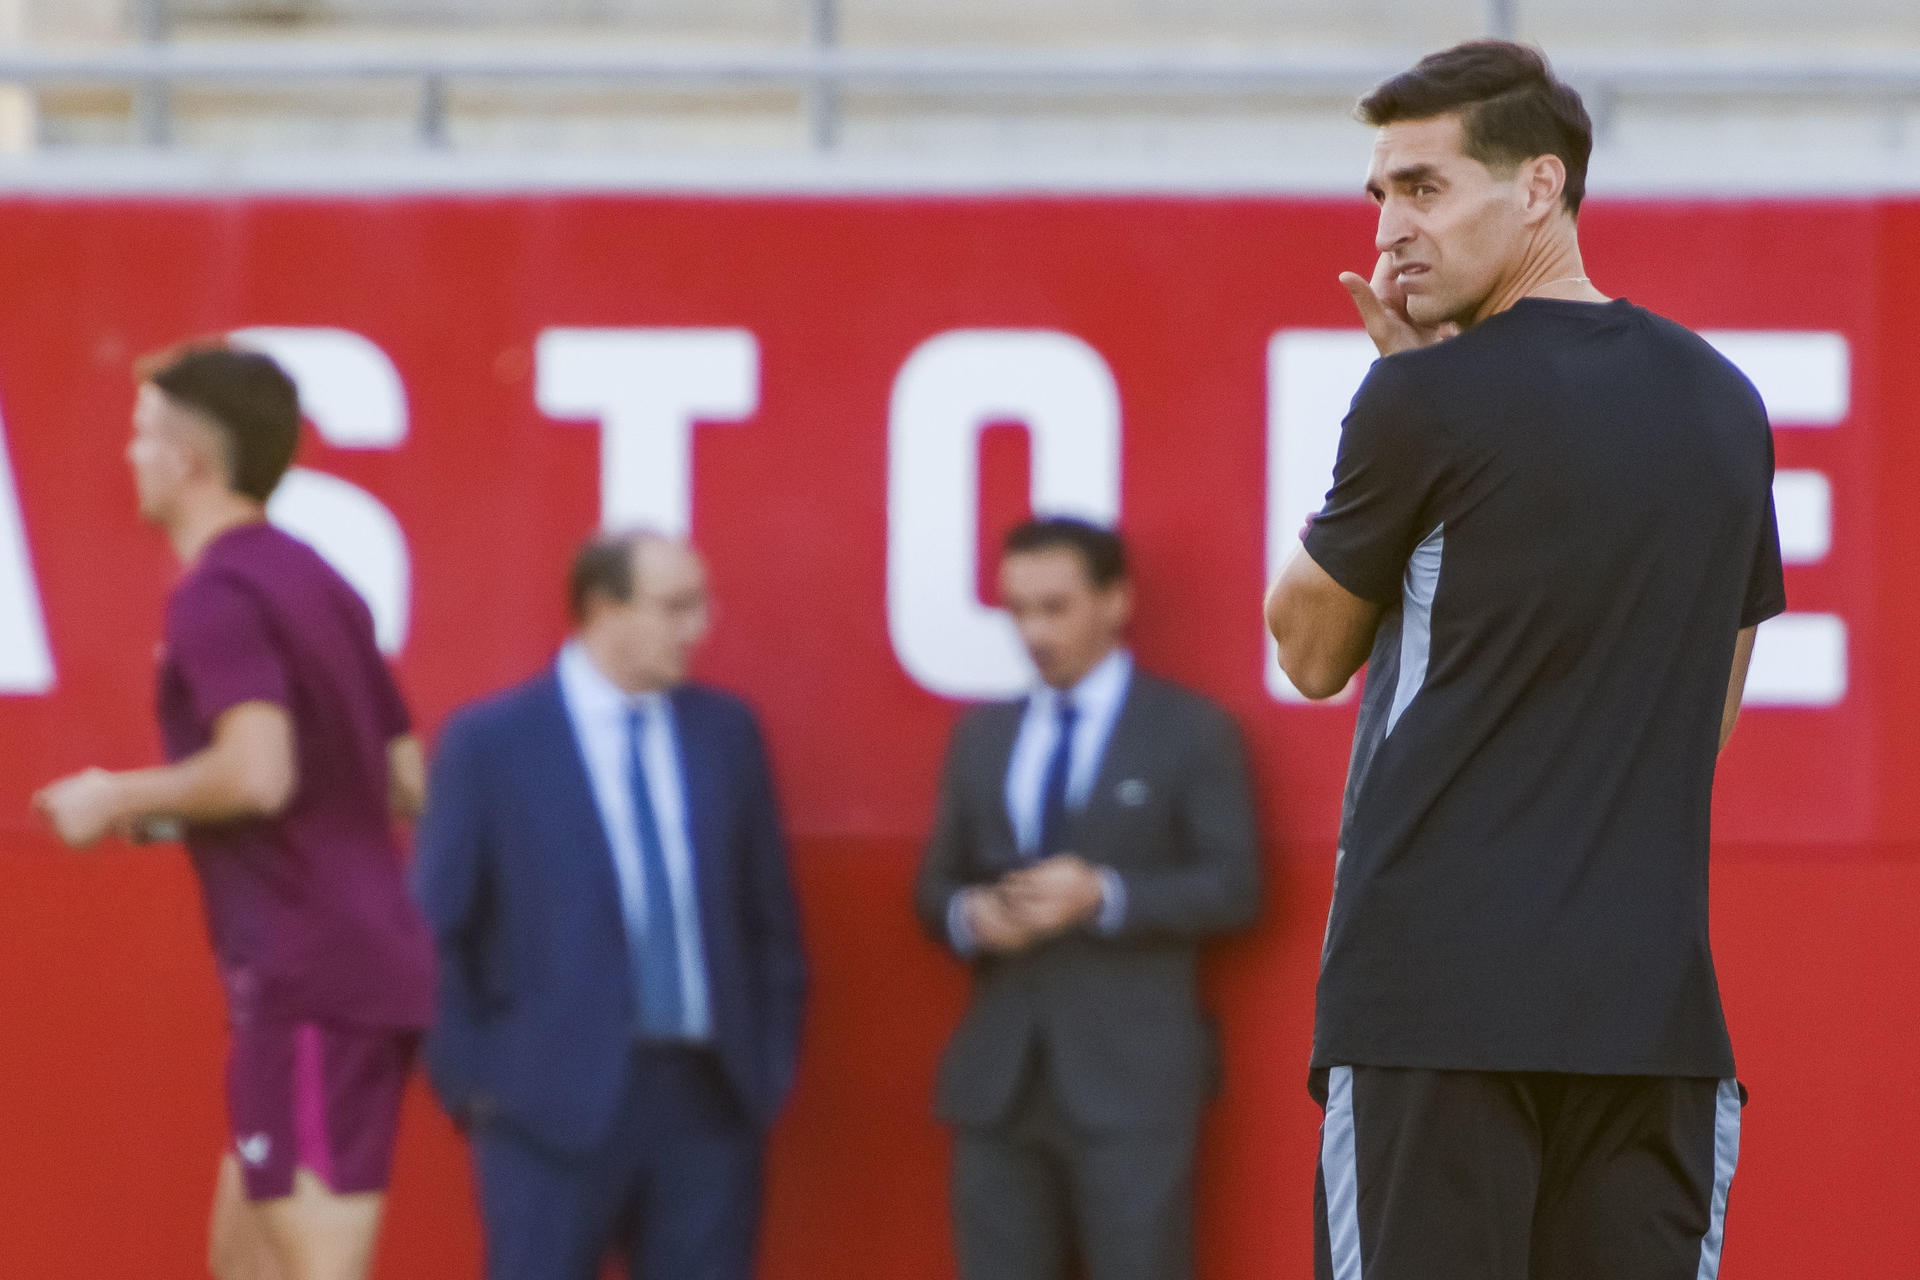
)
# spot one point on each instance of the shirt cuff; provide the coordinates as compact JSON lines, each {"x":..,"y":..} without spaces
{"x":1113,"y":903}
{"x":959,"y":930}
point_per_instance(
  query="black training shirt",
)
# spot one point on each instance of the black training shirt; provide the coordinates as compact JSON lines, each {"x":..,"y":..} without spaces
{"x":1567,"y":512}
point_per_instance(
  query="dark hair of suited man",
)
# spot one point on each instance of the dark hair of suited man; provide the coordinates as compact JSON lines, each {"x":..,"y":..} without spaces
{"x":1101,"y":551}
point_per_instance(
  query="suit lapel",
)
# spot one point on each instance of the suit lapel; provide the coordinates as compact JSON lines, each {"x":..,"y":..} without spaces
{"x":1124,"y":757}
{"x":1001,"y":732}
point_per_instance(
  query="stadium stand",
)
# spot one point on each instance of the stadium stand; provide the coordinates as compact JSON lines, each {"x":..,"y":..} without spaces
{"x":1226,"y":87}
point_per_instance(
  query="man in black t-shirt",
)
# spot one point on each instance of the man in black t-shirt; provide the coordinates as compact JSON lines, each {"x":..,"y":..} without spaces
{"x":1550,"y":536}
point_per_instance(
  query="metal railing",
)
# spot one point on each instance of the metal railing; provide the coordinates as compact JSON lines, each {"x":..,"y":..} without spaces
{"x":822,"y":73}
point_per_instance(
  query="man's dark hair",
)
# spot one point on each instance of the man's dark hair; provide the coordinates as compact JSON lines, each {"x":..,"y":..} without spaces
{"x":246,"y":397}
{"x":603,"y":566}
{"x":1101,"y":552}
{"x":1511,"y":107}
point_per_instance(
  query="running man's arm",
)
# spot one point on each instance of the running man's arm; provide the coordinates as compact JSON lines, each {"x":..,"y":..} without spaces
{"x":1736,"y":684}
{"x":406,"y":777}
{"x":247,"y":771}
{"x":1324,"y":631}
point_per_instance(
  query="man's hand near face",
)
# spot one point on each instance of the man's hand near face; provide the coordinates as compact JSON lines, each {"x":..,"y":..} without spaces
{"x":1382,"y":305}
{"x":1054,"y":895}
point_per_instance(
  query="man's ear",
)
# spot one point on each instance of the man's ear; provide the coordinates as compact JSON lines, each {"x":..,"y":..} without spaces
{"x":207,"y":449}
{"x":1543,"y":179}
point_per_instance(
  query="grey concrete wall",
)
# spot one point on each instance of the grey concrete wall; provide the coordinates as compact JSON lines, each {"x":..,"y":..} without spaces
{"x":1243,"y":130}
{"x":1831,"y":23}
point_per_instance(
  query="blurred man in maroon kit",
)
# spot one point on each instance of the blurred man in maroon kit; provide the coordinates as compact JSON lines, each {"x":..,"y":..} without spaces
{"x":290,"y":754}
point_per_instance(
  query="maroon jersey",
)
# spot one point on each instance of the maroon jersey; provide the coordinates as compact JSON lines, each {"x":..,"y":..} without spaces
{"x":309,"y":911}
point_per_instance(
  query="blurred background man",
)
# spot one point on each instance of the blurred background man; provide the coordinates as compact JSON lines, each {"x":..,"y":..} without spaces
{"x":289,"y":745}
{"x":603,"y":865}
{"x":1089,"y":837}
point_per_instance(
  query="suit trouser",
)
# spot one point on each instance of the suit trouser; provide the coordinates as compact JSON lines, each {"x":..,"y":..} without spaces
{"x":675,"y":1185}
{"x":1035,"y":1193}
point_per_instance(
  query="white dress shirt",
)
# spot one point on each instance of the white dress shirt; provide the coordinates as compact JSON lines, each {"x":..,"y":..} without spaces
{"x":598,"y":709}
{"x":1097,"y":700}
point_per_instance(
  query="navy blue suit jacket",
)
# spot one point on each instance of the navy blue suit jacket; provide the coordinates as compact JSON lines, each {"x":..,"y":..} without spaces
{"x":536,"y":1010}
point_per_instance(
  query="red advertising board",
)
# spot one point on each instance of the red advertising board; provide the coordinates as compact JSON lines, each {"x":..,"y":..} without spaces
{"x":845,"y":400}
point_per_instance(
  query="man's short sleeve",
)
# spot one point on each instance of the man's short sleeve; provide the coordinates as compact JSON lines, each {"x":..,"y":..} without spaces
{"x":220,"y":643}
{"x":1383,"y":482}
{"x":1766,"y":587}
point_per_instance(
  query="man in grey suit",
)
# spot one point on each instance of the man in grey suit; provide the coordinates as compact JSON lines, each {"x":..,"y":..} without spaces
{"x":1089,"y":837}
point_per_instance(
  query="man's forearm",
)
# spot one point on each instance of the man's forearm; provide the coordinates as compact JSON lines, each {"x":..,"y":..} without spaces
{"x":1322,"y":632}
{"x":1736,"y":684}
{"x":207,"y":787}
{"x":406,"y":777}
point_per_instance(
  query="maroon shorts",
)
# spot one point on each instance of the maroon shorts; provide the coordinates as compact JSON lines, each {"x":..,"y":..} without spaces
{"x":318,"y":1096}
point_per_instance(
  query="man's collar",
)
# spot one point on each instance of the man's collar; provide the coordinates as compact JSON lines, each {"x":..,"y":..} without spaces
{"x":592,"y":689}
{"x":1099,"y":687}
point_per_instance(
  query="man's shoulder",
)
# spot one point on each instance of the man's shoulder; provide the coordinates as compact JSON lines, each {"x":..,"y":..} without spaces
{"x":264,"y":556}
{"x":501,"y":714}
{"x":213,"y":608}
{"x":717,"y":705}
{"x":1667,"y":329}
{"x":989,"y":717}
{"x":1415,"y":382}
{"x":1702,"y":357}
{"x":217,"y":578}
{"x":1505,"y":350}
{"x":1154,"y":685}
{"x":262,"y":569}
{"x":195,"y":591}
{"x":982,"y":730}
{"x":1166,"y":702}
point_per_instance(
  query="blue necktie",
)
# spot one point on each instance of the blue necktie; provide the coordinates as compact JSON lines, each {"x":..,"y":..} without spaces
{"x":653,"y":938}
{"x":1053,"y":799}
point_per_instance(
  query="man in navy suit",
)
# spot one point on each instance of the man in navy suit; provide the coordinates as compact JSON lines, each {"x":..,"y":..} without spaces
{"x":621,"y":975}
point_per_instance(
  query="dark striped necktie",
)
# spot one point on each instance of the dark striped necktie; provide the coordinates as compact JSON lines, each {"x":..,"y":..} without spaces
{"x":1053,"y":797}
{"x":653,"y":934}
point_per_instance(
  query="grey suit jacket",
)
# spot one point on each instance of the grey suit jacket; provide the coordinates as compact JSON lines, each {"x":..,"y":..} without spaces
{"x":1118,"y":1017}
